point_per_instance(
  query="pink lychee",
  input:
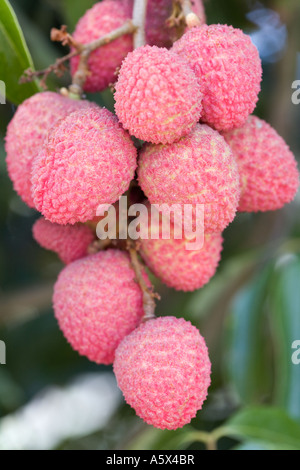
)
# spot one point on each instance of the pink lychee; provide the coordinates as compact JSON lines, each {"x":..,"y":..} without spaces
{"x":198,"y":170}
{"x":70,"y":242}
{"x":27,"y":132}
{"x":158,"y":32}
{"x":177,"y":266}
{"x":88,"y":160}
{"x":268,"y":169}
{"x":157,"y":95}
{"x":100,"y":20}
{"x":163,"y":370}
{"x":228,"y":67}
{"x":97,"y":302}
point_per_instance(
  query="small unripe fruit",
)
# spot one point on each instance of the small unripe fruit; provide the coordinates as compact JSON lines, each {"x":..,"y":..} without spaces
{"x":100,"y":20}
{"x":88,"y":160}
{"x":228,"y":68}
{"x":70,"y":242}
{"x":268,"y":169}
{"x":163,"y":370}
{"x":157,"y":95}
{"x":26,"y":134}
{"x":199,"y":169}
{"x":97,"y":302}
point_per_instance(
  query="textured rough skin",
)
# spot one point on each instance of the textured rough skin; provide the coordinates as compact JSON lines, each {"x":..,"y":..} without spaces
{"x":97,"y":303}
{"x":157,"y":95}
{"x":199,"y":169}
{"x":163,"y":370}
{"x":268,"y":169}
{"x":183,"y":269}
{"x":158,"y":12}
{"x":229,"y":70}
{"x":27,"y":132}
{"x":101,"y":19}
{"x":70,"y":242}
{"x":88,"y":160}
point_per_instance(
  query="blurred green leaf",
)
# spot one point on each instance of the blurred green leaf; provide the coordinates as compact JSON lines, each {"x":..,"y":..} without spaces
{"x":203,"y":300}
{"x":285,"y":323}
{"x":75,"y":9}
{"x":256,"y":445}
{"x":11,"y":395}
{"x":245,"y":361}
{"x":264,"y":424}
{"x":152,"y":438}
{"x":14,"y":56}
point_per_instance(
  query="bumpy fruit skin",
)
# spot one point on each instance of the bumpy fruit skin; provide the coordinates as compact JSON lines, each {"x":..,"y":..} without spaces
{"x":183,"y":269}
{"x":157,"y":95}
{"x":97,"y":303}
{"x":70,"y":242}
{"x":163,"y":370}
{"x":88,"y":160}
{"x":228,"y":67}
{"x":199,"y":169}
{"x":158,"y":33}
{"x":100,"y":20}
{"x":268,"y":169}
{"x":27,"y":132}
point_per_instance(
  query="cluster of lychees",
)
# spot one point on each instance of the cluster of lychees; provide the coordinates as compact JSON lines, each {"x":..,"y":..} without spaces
{"x":190,"y":102}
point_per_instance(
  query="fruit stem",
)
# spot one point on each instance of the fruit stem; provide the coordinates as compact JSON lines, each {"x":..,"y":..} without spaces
{"x":139,"y":20}
{"x":190,"y":17}
{"x":148,"y":293}
{"x":85,"y":51}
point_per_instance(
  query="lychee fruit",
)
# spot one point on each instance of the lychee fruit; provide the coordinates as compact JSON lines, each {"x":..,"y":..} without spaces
{"x":228,"y":68}
{"x":163,"y":370}
{"x":198,"y":170}
{"x":177,"y":266}
{"x":27,"y":132}
{"x":268,"y":169}
{"x":100,"y":20}
{"x":97,"y":302}
{"x":157,"y":95}
{"x":88,"y":160}
{"x":158,"y":32}
{"x":70,"y":242}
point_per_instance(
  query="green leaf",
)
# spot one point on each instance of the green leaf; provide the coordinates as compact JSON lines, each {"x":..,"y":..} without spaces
{"x":202,"y":301}
{"x":75,"y":9}
{"x":152,"y":438}
{"x":256,"y":445}
{"x":285,"y":324}
{"x":266,"y":424}
{"x":14,"y":56}
{"x":246,"y":359}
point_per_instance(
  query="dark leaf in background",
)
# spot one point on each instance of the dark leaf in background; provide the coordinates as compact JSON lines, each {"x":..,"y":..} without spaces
{"x":246,"y":364}
{"x":265,"y":425}
{"x":14,"y":56}
{"x":285,"y":323}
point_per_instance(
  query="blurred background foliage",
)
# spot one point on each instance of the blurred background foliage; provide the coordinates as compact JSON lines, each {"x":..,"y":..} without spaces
{"x":249,"y":313}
